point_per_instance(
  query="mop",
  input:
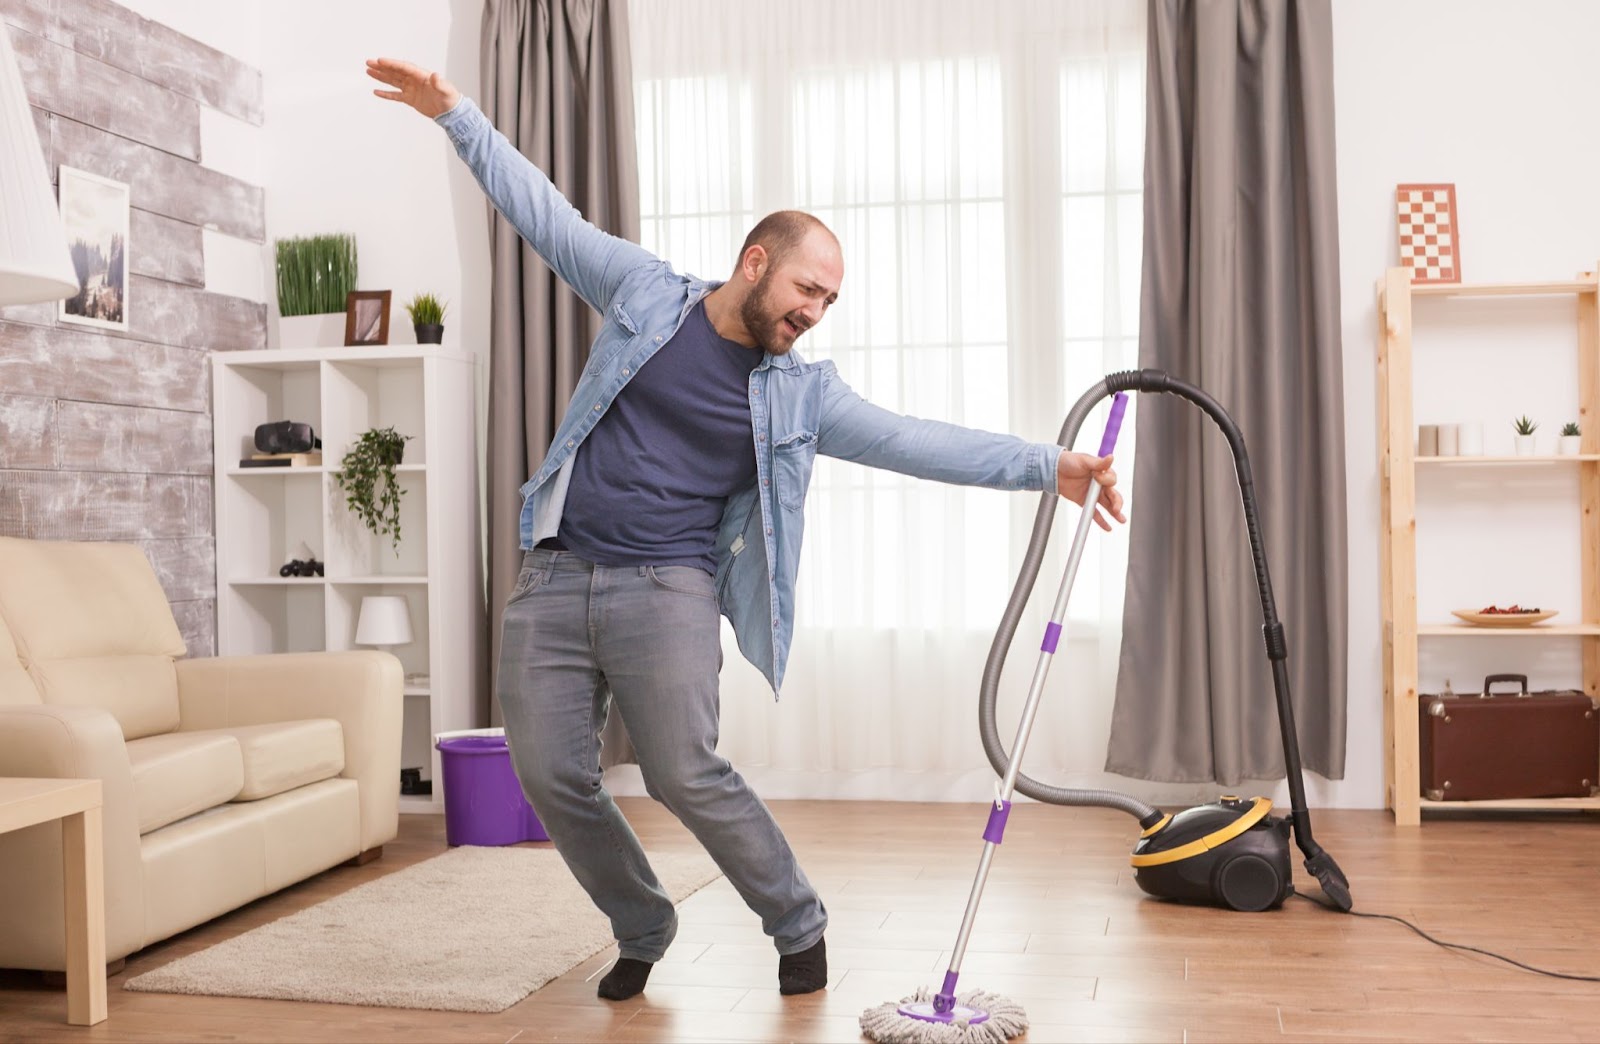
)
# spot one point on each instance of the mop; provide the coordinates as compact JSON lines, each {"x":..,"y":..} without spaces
{"x":978,"y":1017}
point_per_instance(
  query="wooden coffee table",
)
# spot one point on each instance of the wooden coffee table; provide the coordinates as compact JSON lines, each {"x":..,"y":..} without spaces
{"x":76,"y":802}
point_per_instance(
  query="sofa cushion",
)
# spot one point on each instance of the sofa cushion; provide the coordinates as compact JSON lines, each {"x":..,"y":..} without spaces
{"x":93,"y":628}
{"x":284,"y":755}
{"x":15,"y":685}
{"x":180,"y":773}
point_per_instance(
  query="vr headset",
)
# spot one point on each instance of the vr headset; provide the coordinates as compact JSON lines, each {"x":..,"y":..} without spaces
{"x":286,"y":437}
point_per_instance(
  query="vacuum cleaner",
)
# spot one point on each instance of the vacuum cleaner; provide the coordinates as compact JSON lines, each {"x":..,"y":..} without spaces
{"x":1231,"y":852}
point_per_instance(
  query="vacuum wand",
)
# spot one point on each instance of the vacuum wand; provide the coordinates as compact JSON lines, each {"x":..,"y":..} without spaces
{"x":995,"y":830}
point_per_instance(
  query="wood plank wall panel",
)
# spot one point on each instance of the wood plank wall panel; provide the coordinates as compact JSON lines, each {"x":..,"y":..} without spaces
{"x":168,"y":249}
{"x":190,"y":318}
{"x":106,"y":435}
{"x":130,"y":42}
{"x":98,"y":505}
{"x":161,"y":182}
{"x":63,"y":435}
{"x":25,"y":426}
{"x":73,"y":363}
{"x":178,"y":561}
{"x":197,"y":623}
{"x":91,"y":436}
{"x":63,"y":81}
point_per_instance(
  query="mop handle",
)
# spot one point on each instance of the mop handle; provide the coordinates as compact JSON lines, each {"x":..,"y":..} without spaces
{"x":1052,"y":631}
{"x":1000,"y":810}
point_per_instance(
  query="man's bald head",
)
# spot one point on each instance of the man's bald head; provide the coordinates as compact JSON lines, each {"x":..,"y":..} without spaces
{"x":781,"y":232}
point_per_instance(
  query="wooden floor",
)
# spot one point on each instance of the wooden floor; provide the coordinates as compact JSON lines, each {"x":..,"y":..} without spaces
{"x":1063,"y":930}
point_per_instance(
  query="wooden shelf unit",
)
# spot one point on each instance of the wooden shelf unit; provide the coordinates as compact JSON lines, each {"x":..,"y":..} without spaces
{"x":1397,"y":476}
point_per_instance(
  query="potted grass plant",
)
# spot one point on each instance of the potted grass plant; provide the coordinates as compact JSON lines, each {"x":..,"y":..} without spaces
{"x":427,"y":318}
{"x":314,"y":274}
{"x":366,"y":475}
{"x":1525,"y":429}
{"x":1571,"y":439}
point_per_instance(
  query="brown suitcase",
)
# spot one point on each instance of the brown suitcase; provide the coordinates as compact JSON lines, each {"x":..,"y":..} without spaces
{"x":1509,"y":745}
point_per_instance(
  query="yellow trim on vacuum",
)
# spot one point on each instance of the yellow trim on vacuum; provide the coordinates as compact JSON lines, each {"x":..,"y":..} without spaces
{"x":1211,"y":840}
{"x":1164,"y":821}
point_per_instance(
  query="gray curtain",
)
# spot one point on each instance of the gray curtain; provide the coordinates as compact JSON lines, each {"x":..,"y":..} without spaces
{"x":557,"y":83}
{"x":1240,"y":295}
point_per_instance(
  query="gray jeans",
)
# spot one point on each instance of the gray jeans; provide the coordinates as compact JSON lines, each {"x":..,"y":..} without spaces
{"x":578,"y":636}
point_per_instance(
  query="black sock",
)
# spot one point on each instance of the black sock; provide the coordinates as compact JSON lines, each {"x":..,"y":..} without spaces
{"x":625,"y":979}
{"x":803,"y":972}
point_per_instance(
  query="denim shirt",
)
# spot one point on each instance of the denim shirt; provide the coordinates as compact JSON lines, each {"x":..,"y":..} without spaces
{"x":797,"y":409}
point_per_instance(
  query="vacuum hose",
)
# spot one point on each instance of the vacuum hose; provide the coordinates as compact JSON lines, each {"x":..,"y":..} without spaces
{"x":987,"y":726}
{"x":1317,"y":861}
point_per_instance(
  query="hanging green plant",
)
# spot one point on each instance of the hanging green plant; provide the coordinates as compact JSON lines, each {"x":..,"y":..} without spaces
{"x":366,"y":474}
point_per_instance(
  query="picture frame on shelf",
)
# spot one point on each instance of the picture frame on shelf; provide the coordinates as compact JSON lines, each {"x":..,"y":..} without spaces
{"x":95,"y":211}
{"x":366,"y":317}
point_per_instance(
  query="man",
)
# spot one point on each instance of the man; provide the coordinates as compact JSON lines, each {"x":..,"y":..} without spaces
{"x":673,"y":491}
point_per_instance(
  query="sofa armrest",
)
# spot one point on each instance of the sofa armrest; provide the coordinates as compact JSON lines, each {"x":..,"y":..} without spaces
{"x":49,"y":741}
{"x":363,"y":691}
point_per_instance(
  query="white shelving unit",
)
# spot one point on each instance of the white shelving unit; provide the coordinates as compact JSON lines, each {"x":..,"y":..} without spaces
{"x":264,"y":514}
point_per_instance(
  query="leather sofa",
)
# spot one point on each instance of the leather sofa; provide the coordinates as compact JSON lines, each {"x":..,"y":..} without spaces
{"x":225,"y":779}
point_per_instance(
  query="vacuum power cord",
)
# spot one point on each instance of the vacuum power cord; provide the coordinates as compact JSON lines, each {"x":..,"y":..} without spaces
{"x":1449,"y":945}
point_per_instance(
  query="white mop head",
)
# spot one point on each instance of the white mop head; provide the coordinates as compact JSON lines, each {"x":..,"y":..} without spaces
{"x":886,"y":1025}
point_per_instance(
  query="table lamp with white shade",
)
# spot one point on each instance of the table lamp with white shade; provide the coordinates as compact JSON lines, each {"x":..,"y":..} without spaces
{"x":385,"y":621}
{"x":34,"y":263}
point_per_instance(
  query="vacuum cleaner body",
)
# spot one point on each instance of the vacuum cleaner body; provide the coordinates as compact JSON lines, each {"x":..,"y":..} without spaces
{"x":1229,"y":853}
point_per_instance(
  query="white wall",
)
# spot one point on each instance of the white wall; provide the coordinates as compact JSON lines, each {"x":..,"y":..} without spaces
{"x":340,"y":160}
{"x":1498,"y":100}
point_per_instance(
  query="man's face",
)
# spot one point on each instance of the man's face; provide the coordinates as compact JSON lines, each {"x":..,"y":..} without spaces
{"x":791,"y":296}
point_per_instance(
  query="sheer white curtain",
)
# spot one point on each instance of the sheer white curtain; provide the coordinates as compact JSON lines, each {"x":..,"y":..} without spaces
{"x":982,"y":166}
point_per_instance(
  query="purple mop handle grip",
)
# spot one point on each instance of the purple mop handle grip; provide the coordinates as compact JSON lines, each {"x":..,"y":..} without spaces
{"x":1119,"y":406}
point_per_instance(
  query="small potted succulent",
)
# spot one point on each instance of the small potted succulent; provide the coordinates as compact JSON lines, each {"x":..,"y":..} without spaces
{"x":1525,"y":429}
{"x":427,"y":318}
{"x":1571,"y":439}
{"x":366,"y":474}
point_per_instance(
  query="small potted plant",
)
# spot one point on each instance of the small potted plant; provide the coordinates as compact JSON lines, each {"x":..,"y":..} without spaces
{"x":366,"y":474}
{"x":1525,"y":429}
{"x":1571,"y":439}
{"x":427,"y":318}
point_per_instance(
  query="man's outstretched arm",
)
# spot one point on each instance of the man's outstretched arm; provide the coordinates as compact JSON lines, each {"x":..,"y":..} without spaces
{"x":594,"y":263}
{"x":854,"y":429}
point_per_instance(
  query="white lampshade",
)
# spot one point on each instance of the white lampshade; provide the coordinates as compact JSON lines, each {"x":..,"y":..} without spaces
{"x":385,"y":620}
{"x":34,"y":263}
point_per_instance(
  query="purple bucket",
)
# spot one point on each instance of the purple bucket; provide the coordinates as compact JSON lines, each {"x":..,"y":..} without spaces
{"x":483,"y":802}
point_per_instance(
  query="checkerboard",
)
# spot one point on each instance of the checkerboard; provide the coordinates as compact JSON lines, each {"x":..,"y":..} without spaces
{"x":1430,"y":240}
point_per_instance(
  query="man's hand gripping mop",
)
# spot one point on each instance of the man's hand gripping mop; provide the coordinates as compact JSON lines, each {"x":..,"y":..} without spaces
{"x":976,"y":1016}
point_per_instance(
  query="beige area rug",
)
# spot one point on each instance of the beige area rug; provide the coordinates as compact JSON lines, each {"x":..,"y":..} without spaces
{"x":474,"y":929}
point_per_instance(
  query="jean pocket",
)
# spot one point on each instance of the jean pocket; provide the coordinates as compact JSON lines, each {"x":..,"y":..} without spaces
{"x":525,"y":582}
{"x":683,"y":580}
{"x":534,"y":572}
{"x":792,"y":460}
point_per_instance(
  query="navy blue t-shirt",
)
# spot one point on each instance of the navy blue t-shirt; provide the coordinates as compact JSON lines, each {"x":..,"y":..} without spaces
{"x":650,"y":482}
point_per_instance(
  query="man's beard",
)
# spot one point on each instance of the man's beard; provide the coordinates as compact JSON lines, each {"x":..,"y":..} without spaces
{"x":771,"y":332}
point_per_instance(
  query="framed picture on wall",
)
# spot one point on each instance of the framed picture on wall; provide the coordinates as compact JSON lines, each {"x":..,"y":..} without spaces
{"x":95,"y":212}
{"x":366,"y":317}
{"x":1430,"y":232}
